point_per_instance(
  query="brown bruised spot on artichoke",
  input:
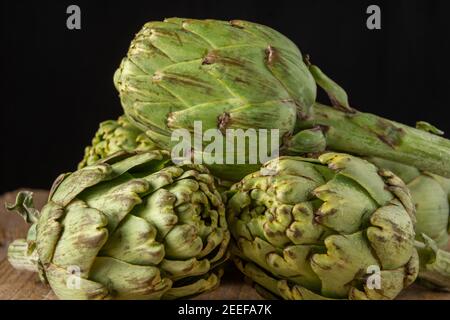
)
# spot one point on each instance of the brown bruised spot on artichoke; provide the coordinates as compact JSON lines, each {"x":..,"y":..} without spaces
{"x":314,"y":229}
{"x":132,"y":226}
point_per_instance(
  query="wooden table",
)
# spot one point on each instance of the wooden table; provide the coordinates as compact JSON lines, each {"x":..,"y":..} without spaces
{"x":25,"y":285}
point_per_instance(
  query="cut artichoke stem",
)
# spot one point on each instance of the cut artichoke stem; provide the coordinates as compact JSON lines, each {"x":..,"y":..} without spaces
{"x":434,"y":263}
{"x":22,"y":257}
{"x":366,"y":134}
{"x":22,"y":254}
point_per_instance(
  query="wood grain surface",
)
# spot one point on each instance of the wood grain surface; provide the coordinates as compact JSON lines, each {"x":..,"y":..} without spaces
{"x":26,"y":285}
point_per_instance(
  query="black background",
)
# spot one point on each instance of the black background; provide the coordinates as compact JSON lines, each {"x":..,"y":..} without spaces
{"x":57,"y":83}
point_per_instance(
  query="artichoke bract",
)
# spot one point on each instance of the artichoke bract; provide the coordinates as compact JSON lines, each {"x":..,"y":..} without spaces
{"x":115,"y":136}
{"x":243,"y":75}
{"x":132,"y":226}
{"x":336,"y":228}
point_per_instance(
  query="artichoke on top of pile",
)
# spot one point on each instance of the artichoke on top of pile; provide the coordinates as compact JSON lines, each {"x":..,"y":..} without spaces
{"x":312,"y":229}
{"x":132,"y":226}
{"x":242,"y":75}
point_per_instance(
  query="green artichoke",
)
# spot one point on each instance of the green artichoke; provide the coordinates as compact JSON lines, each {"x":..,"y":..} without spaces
{"x":132,"y":226}
{"x":326,"y":228}
{"x":242,"y":75}
{"x":431,"y":198}
{"x":114,"y":136}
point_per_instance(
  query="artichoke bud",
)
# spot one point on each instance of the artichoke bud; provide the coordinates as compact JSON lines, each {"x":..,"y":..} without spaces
{"x":307,"y":141}
{"x":115,"y":136}
{"x":324,"y":229}
{"x":430,"y":195}
{"x":226,"y":75}
{"x":132,"y":226}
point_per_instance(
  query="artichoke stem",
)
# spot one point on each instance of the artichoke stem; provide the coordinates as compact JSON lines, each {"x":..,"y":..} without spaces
{"x":439,"y":278}
{"x":435,"y":264}
{"x":22,"y":256}
{"x":369,"y":135}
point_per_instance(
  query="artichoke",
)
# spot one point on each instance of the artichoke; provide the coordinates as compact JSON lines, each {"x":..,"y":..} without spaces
{"x":431,"y":198}
{"x":324,"y":229}
{"x":114,"y":136}
{"x":242,"y":75}
{"x":132,"y":226}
